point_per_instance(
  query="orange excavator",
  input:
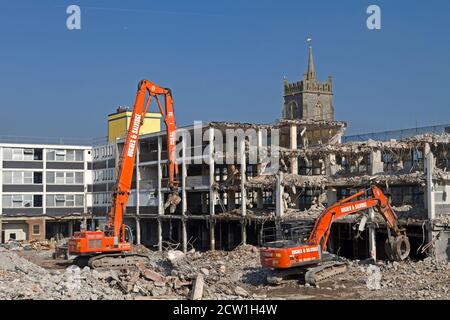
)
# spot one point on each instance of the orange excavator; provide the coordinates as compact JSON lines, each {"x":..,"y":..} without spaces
{"x":288,"y":255}
{"x":112,"y":248}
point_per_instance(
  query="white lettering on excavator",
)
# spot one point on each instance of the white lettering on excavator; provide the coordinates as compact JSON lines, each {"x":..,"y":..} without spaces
{"x":172,"y":138}
{"x":354,"y":207}
{"x":133,"y":137}
{"x":305,"y":250}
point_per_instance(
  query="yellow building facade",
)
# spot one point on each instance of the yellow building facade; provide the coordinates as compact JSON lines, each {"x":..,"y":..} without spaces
{"x":119,"y":122}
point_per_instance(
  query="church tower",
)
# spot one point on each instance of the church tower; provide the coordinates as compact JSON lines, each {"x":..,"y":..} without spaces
{"x":309,"y":99}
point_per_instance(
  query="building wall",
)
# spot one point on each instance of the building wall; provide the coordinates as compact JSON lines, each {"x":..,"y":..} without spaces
{"x":41,"y":181}
{"x":119,"y":123}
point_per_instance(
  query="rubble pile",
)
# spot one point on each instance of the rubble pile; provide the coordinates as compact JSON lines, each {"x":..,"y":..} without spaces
{"x":21,"y":279}
{"x":31,"y":245}
{"x":224,"y":275}
{"x":171,"y":275}
{"x":424,"y":279}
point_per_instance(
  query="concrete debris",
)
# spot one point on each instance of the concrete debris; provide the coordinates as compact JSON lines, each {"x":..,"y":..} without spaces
{"x":171,"y":274}
{"x":240,"y":291}
{"x":373,"y":278}
{"x":31,"y":245}
{"x":21,"y":279}
{"x":215,"y":275}
{"x":175,"y":256}
{"x":197,"y":288}
{"x":425,"y":279}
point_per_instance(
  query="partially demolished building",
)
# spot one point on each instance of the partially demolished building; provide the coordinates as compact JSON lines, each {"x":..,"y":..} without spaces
{"x":240,"y":179}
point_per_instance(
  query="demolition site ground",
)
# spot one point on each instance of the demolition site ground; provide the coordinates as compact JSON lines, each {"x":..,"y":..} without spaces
{"x":31,"y":273}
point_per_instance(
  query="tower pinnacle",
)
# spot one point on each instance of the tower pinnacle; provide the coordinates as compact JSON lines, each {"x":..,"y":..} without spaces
{"x":311,"y":74}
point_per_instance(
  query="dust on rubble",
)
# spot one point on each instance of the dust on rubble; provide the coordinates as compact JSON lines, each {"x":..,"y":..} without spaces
{"x":224,"y":275}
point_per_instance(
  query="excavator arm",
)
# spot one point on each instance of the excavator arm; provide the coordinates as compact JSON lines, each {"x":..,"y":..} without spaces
{"x":373,"y":198}
{"x":285,"y":256}
{"x":122,"y":189}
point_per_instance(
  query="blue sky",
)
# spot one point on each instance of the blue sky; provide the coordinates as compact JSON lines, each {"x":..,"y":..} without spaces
{"x":224,"y":60}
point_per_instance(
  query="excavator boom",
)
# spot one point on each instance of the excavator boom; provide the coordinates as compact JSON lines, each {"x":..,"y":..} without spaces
{"x":284,"y":255}
{"x":111,"y":246}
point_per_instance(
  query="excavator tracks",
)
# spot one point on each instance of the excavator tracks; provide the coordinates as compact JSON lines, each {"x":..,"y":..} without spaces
{"x":317,"y":274}
{"x":117,"y":261}
{"x":312,"y":275}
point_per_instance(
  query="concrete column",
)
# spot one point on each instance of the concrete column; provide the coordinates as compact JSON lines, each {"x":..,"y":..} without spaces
{"x":429,"y":167}
{"x":138,"y":230}
{"x":70,"y":225}
{"x":259,"y":192}
{"x":243,"y":179}
{"x":293,"y":146}
{"x":430,"y":197}
{"x":259,"y":144}
{"x":212,"y":200}
{"x":279,"y":196}
{"x":1,"y":194}
{"x":183,"y":195}
{"x":44,"y":181}
{"x":160,"y":194}
{"x":330,"y":165}
{"x":331,"y":196}
{"x":376,"y":165}
{"x":243,"y":192}
{"x":372,"y":236}
{"x":138,"y":179}
{"x":85,"y":182}
{"x":259,"y":199}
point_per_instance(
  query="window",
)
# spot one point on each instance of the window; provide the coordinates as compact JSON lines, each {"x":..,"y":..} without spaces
{"x":7,"y":201}
{"x":17,"y":201}
{"x":79,"y":155}
{"x":22,"y":201}
{"x":60,"y":200}
{"x":37,"y":201}
{"x":28,"y":200}
{"x":38,"y":154}
{"x":65,"y":155}
{"x":19,"y":154}
{"x":79,"y":178}
{"x":70,"y":178}
{"x":79,"y":200}
{"x":51,"y":155}
{"x":70,"y":200}
{"x":7,"y":177}
{"x":50,"y":201}
{"x":7,"y":154}
{"x":36,"y":229}
{"x":17,"y":177}
{"x":65,"y":200}
{"x":28,"y":177}
{"x":319,"y":111}
{"x":59,"y":178}
{"x":37,"y":177}
{"x":28,"y":154}
{"x":70,"y":155}
{"x":50,"y":178}
{"x":60,"y":155}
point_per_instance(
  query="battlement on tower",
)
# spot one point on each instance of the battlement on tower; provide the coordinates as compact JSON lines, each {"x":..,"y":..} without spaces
{"x":310,"y":86}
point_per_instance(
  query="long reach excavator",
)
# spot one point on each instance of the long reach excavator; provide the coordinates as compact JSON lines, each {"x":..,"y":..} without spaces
{"x":292,"y":255}
{"x":112,"y":247}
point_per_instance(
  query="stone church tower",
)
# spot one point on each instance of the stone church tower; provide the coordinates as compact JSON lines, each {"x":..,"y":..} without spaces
{"x":309,"y":99}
